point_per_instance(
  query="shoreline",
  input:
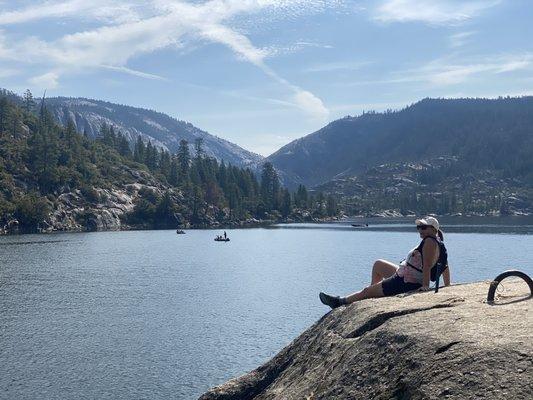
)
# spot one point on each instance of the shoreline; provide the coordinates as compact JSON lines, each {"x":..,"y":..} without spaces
{"x":375,"y":220}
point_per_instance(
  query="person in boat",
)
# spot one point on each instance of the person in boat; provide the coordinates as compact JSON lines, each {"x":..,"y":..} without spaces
{"x":413,"y":273}
{"x":225,"y":236}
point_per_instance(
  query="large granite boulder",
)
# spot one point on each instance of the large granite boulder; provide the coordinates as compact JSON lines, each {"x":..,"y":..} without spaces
{"x":449,"y":345}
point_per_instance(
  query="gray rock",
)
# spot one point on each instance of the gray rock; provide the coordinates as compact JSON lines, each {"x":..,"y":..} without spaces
{"x":420,"y":346}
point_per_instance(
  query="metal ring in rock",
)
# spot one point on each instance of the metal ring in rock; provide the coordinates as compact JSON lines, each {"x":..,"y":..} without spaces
{"x":513,"y":272}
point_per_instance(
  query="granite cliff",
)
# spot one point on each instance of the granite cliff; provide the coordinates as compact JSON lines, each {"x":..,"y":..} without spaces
{"x":449,"y":345}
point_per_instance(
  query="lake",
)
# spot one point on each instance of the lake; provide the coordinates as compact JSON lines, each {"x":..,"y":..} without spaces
{"x":155,"y":315}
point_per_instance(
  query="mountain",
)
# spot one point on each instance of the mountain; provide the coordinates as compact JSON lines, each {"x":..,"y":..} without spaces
{"x":52,"y":178}
{"x":162,"y":130}
{"x":482,"y":134}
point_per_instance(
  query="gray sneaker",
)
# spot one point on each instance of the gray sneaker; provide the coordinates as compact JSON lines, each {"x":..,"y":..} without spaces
{"x":332,"y":301}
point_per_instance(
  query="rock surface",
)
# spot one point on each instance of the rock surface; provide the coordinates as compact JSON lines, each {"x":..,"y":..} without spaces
{"x":449,"y":345}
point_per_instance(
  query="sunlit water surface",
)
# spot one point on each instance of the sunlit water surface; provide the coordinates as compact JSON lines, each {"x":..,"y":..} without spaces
{"x":155,"y":315}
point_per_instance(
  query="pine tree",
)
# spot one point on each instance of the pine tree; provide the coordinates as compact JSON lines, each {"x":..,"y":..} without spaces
{"x":4,"y":110}
{"x":270,"y":187}
{"x":184,"y":159}
{"x":199,"y":147}
{"x":124,"y":146}
{"x":151,"y":156}
{"x":139,"y":150}
{"x":28,"y":101}
{"x":174,"y":172}
{"x":286,"y":204}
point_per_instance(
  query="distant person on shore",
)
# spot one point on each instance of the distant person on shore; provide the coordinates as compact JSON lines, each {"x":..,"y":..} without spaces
{"x":413,"y":273}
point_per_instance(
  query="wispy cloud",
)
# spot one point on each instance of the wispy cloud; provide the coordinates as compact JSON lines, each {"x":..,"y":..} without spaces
{"x":112,"y":11}
{"x":45,"y":81}
{"x":445,"y":72}
{"x":338,"y":66}
{"x":6,"y":72}
{"x":155,"y":25}
{"x":278,"y":50}
{"x":438,"y":12}
{"x":134,"y":72}
{"x":449,"y":71}
{"x":460,"y":39}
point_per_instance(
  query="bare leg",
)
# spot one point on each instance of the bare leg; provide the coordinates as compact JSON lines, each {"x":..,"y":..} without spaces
{"x":382,"y":269}
{"x":369,"y":292}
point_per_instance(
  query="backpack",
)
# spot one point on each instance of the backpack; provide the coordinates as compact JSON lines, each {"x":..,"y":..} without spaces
{"x":442,"y":261}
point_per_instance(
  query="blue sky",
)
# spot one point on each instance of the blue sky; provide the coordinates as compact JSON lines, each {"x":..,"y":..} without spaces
{"x":261,"y":73}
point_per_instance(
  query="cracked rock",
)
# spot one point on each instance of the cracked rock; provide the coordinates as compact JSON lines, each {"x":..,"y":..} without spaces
{"x":449,"y":345}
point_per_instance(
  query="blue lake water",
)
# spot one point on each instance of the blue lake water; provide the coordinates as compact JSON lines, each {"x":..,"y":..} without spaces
{"x":155,"y":315}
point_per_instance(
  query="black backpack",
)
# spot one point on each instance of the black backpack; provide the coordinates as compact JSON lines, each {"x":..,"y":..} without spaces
{"x":442,"y":262}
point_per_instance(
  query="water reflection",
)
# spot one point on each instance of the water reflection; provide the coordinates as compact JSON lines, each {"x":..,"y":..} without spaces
{"x":501,"y":225}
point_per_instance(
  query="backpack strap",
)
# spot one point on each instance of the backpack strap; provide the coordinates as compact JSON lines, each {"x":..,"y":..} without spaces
{"x":419,"y":249}
{"x":412,"y":266}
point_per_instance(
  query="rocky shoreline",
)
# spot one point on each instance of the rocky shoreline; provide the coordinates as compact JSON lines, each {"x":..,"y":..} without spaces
{"x":107,"y":210}
{"x":450,"y":345}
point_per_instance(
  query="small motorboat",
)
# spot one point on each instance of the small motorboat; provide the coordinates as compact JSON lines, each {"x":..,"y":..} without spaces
{"x":359,"y":225}
{"x":180,"y":232}
{"x":221,"y":239}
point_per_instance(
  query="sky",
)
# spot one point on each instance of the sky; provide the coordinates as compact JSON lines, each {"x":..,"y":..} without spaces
{"x":261,"y":73}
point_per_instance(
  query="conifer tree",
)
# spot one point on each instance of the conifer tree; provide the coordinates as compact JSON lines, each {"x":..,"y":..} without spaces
{"x":28,"y":101}
{"x":270,"y":187}
{"x":139,"y":150}
{"x":184,"y":159}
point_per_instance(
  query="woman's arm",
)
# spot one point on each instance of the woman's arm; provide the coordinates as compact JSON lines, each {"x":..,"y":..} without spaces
{"x":446,"y":276}
{"x":429,"y":257}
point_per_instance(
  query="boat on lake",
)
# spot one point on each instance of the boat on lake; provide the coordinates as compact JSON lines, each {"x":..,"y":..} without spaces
{"x":222,"y":238}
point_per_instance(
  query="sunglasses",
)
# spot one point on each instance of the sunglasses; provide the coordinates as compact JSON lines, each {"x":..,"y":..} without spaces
{"x":421,"y":227}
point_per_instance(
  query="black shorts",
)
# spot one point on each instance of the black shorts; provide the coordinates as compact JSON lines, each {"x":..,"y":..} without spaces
{"x":396,"y":285}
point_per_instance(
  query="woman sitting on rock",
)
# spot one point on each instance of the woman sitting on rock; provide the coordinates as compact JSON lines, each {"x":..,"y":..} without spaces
{"x":413,"y":273}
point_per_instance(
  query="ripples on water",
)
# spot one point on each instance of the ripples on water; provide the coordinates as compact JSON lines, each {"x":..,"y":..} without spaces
{"x":122,"y":315}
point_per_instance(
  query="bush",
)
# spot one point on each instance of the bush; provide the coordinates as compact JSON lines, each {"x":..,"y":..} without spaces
{"x":90,"y":194}
{"x":30,"y":211}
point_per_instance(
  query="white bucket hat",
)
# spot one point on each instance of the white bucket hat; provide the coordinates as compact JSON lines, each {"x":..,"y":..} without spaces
{"x":428,"y":221}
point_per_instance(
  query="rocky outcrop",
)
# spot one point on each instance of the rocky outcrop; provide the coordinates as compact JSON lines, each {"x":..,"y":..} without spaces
{"x":73,"y":212}
{"x":449,"y":345}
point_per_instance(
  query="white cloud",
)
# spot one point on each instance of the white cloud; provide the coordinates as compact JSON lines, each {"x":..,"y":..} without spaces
{"x":338,"y":66}
{"x":134,"y":72}
{"x":307,"y":101}
{"x":449,"y":71}
{"x":444,"y":72}
{"x":439,"y":12}
{"x":45,"y":81}
{"x":111,"y":11}
{"x":460,"y":39}
{"x":6,"y":72}
{"x":160,"y":25}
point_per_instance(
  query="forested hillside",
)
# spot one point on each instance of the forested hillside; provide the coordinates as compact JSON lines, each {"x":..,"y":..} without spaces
{"x":482,"y":134}
{"x":54,"y":178}
{"x":457,"y":155}
{"x":165,"y":132}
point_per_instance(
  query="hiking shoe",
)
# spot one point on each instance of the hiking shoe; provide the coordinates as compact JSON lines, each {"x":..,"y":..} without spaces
{"x":332,"y":301}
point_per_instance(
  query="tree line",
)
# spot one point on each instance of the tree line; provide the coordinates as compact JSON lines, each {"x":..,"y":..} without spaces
{"x":40,"y":160}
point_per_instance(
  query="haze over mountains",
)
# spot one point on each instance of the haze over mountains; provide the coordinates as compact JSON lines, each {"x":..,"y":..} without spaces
{"x":489,"y":133}
{"x":445,"y":156}
{"x":483,"y":134}
{"x":162,"y":130}
{"x":433,"y":146}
